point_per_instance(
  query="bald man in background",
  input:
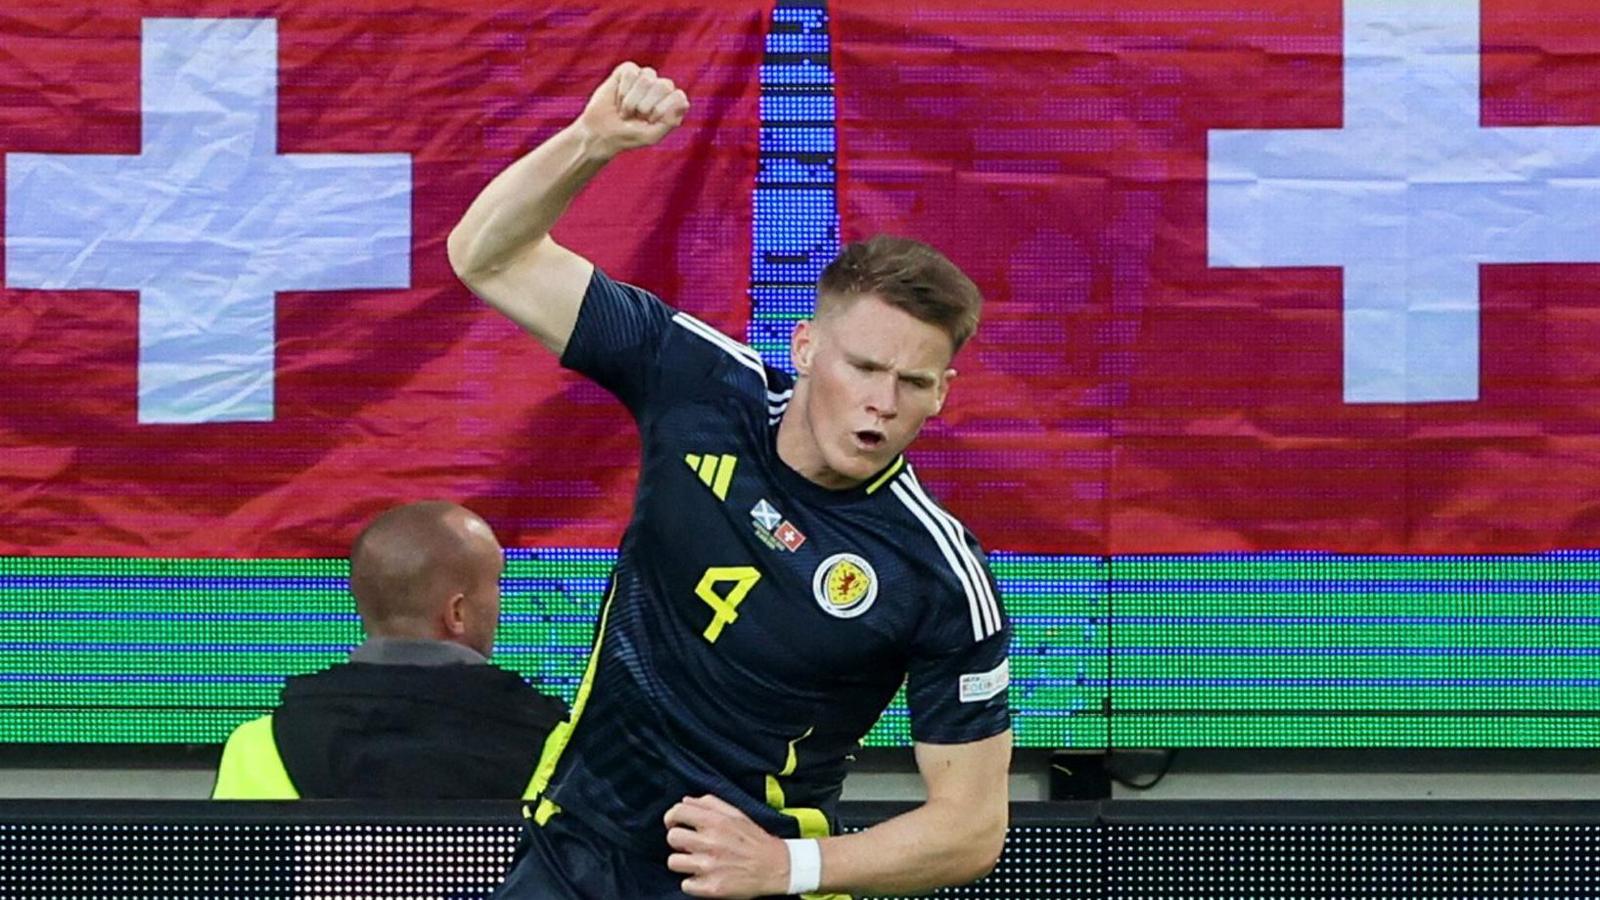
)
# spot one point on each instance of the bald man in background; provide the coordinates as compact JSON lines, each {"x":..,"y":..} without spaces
{"x":417,"y":712}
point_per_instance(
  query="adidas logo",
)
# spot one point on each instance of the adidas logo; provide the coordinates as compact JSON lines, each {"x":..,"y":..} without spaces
{"x":716,"y":471}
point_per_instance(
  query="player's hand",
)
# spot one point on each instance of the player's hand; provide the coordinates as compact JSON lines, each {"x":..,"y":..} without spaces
{"x":723,"y":852}
{"x":633,"y":108}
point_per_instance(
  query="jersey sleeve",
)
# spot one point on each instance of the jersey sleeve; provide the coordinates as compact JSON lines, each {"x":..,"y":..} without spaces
{"x":960,"y":671}
{"x":630,"y":342}
{"x":618,"y":339}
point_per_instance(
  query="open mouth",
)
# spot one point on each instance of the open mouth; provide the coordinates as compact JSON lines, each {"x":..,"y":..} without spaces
{"x":867,"y":439}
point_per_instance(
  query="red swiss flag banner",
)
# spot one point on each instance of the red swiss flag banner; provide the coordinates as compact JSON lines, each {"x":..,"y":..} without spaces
{"x":228,"y":324}
{"x":1260,"y":276}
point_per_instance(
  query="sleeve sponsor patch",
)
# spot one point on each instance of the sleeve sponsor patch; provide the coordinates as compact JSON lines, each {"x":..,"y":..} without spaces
{"x":981,"y":686}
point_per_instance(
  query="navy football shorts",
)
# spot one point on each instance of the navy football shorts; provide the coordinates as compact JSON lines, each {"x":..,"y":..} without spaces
{"x":564,"y":860}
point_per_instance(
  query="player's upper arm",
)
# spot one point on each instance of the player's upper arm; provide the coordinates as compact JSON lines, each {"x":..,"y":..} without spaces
{"x":540,"y":288}
{"x":975,"y":778}
{"x":975,"y":771}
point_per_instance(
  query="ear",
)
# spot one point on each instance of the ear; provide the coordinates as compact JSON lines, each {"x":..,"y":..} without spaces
{"x":943,"y":390}
{"x":455,"y":616}
{"x":801,"y":345}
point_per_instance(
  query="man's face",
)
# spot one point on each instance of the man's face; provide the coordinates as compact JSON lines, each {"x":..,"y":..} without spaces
{"x":875,"y":374}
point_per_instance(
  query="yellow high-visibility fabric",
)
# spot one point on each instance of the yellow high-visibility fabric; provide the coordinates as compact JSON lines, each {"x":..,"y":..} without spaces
{"x":251,"y":768}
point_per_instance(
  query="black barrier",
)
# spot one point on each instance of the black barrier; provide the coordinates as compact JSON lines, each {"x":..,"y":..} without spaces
{"x":1127,"y":849}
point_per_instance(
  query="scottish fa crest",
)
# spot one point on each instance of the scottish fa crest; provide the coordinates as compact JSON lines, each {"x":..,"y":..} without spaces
{"x":845,"y":585}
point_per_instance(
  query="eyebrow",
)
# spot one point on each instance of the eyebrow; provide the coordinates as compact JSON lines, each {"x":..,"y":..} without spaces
{"x":919,"y":376}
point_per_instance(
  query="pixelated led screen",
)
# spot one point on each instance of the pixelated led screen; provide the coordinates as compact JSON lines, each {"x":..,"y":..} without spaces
{"x":1186,"y":651}
{"x":1050,"y":854}
{"x":1210,"y":525}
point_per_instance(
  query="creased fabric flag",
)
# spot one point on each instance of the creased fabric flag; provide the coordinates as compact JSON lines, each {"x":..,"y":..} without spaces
{"x":1267,"y":276}
{"x":228,"y":324}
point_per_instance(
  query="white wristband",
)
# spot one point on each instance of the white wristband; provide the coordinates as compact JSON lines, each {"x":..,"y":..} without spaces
{"x":805,"y":865}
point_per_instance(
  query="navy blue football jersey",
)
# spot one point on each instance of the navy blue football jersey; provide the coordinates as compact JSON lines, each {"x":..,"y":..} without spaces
{"x":757,"y":624}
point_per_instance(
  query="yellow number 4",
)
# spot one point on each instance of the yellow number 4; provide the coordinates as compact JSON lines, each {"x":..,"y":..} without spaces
{"x":725,"y":606}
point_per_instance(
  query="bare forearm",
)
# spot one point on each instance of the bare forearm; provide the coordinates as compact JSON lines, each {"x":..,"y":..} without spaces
{"x":502,"y":249}
{"x":942,"y":842}
{"x":519,"y":207}
{"x":953,"y":838}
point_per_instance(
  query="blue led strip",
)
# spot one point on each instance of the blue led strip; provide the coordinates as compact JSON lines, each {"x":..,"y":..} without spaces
{"x":796,"y":221}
